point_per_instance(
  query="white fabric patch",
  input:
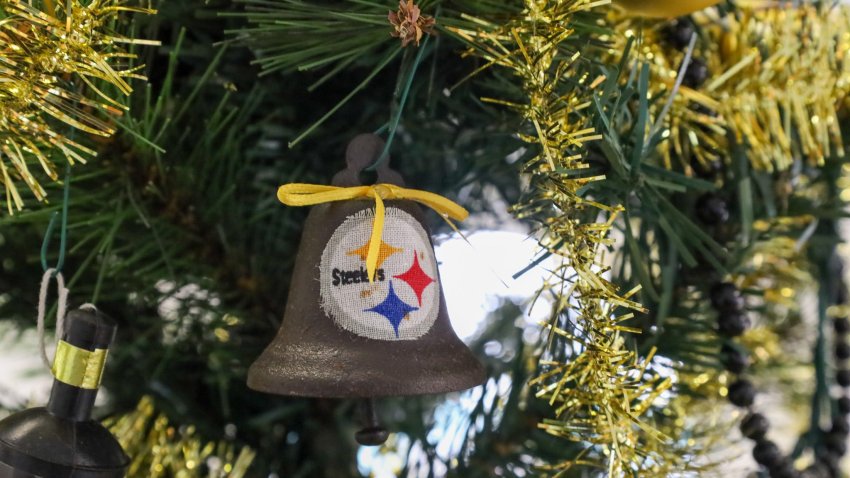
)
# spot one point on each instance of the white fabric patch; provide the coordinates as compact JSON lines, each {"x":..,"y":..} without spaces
{"x":403,"y":301}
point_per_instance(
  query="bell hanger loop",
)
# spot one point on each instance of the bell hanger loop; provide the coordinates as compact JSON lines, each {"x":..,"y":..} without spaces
{"x":362,"y":153}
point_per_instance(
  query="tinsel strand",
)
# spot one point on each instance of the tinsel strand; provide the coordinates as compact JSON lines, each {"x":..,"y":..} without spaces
{"x":159,"y":450}
{"x":778,"y":78}
{"x":601,"y":393}
{"x":54,"y":69}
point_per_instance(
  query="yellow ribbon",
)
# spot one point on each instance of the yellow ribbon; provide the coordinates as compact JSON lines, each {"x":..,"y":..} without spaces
{"x":77,"y":366}
{"x":664,"y":8}
{"x":298,"y":194}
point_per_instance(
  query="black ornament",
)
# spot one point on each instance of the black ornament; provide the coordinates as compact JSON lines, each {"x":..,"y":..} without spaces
{"x":742,"y":393}
{"x":844,"y":405}
{"x":61,"y":440}
{"x":842,"y":350}
{"x":696,"y":74}
{"x":712,"y":209}
{"x":733,"y":359}
{"x":678,"y":34}
{"x":733,"y":324}
{"x":767,"y":454}
{"x":843,"y":377}
{"x":755,"y":426}
{"x":725,"y":297}
{"x":841,"y":325}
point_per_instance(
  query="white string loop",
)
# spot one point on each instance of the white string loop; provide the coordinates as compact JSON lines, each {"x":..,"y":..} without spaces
{"x":60,"y":310}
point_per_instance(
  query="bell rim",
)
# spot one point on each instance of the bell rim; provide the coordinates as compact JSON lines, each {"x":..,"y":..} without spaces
{"x":318,"y":388}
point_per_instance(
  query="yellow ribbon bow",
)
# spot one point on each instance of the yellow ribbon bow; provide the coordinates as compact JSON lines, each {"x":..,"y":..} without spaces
{"x":298,"y":194}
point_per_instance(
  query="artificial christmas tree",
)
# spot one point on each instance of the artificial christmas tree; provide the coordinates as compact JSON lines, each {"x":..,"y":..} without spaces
{"x":682,"y":168}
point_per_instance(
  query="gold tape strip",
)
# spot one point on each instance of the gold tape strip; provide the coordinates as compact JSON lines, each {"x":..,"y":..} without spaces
{"x":78,"y":367}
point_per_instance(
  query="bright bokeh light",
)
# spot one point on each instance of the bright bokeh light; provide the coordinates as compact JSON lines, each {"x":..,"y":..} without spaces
{"x":477,"y":276}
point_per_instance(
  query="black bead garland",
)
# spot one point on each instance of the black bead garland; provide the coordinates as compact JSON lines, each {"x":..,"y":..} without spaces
{"x":767,"y":454}
{"x":840,"y":426}
{"x":841,"y":325}
{"x":733,"y":324}
{"x":817,"y":470}
{"x":707,"y":171}
{"x":844,"y":405}
{"x":696,"y":74}
{"x":843,"y":378}
{"x":678,"y":34}
{"x":733,"y":359}
{"x":742,"y":393}
{"x":837,"y":445}
{"x":732,"y":321}
{"x":842,"y":350}
{"x":725,"y":297}
{"x":784,"y":470}
{"x":712,"y":209}
{"x":755,"y":426}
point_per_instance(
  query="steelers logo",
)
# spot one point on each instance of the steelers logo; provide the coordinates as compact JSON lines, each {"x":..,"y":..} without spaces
{"x":403,"y":301}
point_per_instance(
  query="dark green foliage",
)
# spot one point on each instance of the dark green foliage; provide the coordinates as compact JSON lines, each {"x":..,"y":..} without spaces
{"x":175,"y":230}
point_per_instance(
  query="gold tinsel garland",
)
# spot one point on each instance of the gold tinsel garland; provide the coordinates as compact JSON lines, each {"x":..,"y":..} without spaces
{"x":54,"y":64}
{"x":778,"y":78}
{"x":785,"y":73}
{"x":601,"y":393}
{"x":159,"y":450}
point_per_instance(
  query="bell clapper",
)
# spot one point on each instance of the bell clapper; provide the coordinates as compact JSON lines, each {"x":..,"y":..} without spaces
{"x":373,"y":433}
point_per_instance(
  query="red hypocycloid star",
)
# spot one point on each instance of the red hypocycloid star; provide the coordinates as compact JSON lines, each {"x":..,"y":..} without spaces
{"x":416,"y":278}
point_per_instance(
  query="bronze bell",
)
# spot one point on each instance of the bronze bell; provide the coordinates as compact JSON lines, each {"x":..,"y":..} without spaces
{"x":344,"y":337}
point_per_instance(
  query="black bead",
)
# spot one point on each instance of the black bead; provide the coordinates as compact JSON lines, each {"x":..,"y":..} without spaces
{"x":840,"y":426}
{"x":844,"y":405}
{"x":843,"y":377}
{"x":707,"y":171}
{"x":783,"y":470}
{"x":725,"y":297}
{"x":742,"y":393}
{"x":733,"y":359}
{"x":842,"y":350}
{"x":696,"y":74}
{"x":678,"y":34}
{"x":841,"y":325}
{"x":755,"y":426}
{"x":732,"y":324}
{"x":816,"y":470}
{"x":836,"y":444}
{"x":712,"y":209}
{"x":828,"y":461}
{"x":767,"y":454}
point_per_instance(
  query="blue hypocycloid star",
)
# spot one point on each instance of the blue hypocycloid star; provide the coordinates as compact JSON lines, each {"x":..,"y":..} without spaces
{"x":393,"y":308}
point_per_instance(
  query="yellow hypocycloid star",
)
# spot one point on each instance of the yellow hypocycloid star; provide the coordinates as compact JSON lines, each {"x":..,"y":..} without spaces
{"x":384,"y":252}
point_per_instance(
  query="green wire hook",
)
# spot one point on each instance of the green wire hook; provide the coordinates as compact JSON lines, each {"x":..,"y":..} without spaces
{"x":393,"y":124}
{"x":63,"y":232}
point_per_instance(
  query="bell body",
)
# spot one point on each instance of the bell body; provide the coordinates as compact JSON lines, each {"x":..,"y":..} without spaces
{"x":61,"y":440}
{"x":344,"y":337}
